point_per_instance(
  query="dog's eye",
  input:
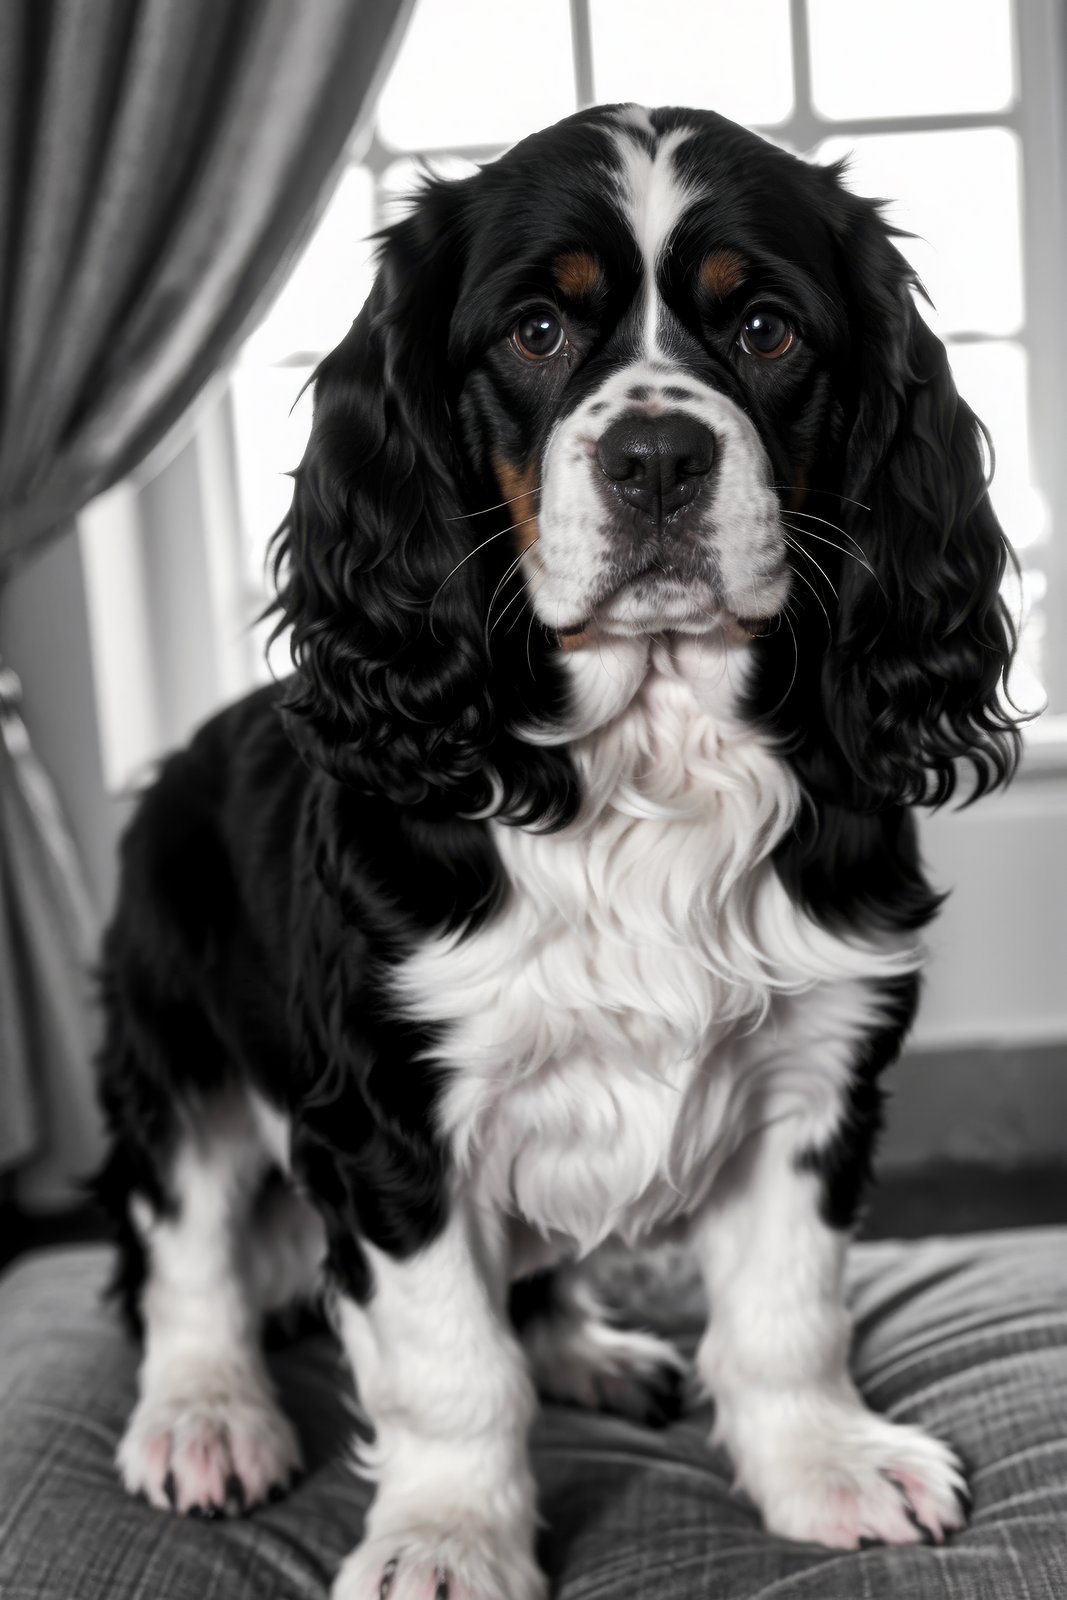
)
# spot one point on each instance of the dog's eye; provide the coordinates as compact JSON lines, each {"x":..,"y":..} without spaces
{"x":539,"y":335}
{"x":765,"y":333}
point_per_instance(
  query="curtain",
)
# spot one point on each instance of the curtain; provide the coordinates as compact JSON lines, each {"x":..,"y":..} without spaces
{"x":47,"y":938}
{"x":161,"y":163}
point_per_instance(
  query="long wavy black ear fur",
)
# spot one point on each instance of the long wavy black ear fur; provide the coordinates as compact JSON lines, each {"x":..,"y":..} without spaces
{"x":914,"y":685}
{"x":395,"y":692}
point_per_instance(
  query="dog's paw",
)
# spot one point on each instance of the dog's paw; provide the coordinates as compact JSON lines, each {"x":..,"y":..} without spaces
{"x":463,"y":1561}
{"x":848,"y":1476}
{"x":602,"y":1368}
{"x":208,"y":1454}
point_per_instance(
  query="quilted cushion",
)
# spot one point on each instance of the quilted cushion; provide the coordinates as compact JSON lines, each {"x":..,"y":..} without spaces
{"x":966,"y":1336}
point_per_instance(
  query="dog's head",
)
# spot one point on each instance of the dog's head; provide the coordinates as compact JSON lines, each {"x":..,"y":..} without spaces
{"x":646,"y":373}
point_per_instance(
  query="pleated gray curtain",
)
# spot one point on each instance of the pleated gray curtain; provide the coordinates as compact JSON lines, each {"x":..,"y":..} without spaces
{"x":161,"y":163}
{"x":160,"y":160}
{"x":47,"y":935}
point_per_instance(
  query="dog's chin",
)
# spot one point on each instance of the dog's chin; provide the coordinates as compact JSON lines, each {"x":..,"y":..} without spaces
{"x":661,"y":606}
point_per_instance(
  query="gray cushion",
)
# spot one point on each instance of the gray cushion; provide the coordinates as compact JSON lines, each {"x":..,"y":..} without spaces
{"x":966,"y":1336}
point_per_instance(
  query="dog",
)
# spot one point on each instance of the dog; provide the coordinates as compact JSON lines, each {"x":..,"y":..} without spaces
{"x":641,"y":580}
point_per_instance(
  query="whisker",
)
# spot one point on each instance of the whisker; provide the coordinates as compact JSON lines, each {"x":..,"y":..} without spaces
{"x":466,"y":516}
{"x":516,"y":596}
{"x":528,"y":602}
{"x":818,"y":597}
{"x":832,"y":493}
{"x":503,"y":580}
{"x":809,"y":516}
{"x":796,"y":663}
{"x":796,"y":656}
{"x":524,"y":522}
{"x":496,"y":591}
{"x":518,"y":615}
{"x":460,"y":563}
{"x":861,"y":560}
{"x":809,"y":557}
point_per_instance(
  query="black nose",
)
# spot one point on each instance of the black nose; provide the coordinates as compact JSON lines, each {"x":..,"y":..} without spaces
{"x":658,"y":464}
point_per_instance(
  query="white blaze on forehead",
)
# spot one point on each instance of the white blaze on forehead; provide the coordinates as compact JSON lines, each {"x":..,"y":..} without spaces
{"x":655,"y":195}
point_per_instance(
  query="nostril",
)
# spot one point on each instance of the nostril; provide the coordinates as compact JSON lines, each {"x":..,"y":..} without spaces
{"x":620,"y":467}
{"x":693,"y":447}
{"x":653,"y":454}
{"x":696,"y":465}
{"x":619,"y":452}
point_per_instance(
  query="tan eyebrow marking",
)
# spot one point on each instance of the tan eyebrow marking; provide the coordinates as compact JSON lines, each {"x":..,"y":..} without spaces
{"x":578,"y":274}
{"x":519,"y":485}
{"x":722,"y":272}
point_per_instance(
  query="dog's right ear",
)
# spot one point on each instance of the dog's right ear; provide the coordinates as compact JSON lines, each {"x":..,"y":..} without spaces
{"x":916,"y":683}
{"x":389,"y":697}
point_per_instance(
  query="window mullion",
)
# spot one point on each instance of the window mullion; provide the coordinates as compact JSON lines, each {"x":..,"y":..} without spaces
{"x":582,"y":50}
{"x":1042,"y":51}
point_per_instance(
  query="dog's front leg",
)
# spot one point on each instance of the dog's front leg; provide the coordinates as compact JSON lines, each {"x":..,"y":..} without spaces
{"x":444,"y":1385}
{"x":818,"y":1463}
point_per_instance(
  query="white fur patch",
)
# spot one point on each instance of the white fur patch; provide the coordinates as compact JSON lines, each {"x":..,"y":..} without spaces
{"x":655,"y":198}
{"x":817,"y":1462}
{"x":441,"y":1375}
{"x":206,"y":1420}
{"x":577,"y":541}
{"x":649,"y":996}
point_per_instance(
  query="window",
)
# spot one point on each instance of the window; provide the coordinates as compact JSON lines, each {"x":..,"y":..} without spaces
{"x":926,"y":96}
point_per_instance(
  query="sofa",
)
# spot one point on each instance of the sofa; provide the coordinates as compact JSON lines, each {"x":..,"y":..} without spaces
{"x":965,"y":1335}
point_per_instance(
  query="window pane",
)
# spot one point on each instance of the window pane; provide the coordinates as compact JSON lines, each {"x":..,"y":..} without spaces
{"x":402,"y":178}
{"x":270,"y":434}
{"x":894,"y":58}
{"x":329,"y":283}
{"x":1025,"y":599}
{"x":959,"y":192}
{"x":992,"y":378}
{"x":480,"y":72}
{"x":715,"y":54}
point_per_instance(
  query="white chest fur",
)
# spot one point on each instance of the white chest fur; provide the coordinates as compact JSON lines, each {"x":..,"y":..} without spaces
{"x":649,"y":995}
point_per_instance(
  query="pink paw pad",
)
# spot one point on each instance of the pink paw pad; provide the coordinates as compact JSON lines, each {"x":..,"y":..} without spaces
{"x":420,"y":1583}
{"x":211,"y":1459}
{"x":935,"y":1515}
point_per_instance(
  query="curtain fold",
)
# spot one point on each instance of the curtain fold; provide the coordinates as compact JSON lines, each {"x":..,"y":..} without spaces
{"x":48,"y":932}
{"x":161,"y":164}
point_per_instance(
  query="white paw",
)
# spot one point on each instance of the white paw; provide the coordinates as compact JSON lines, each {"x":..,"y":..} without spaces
{"x":463,"y":1561}
{"x":209,"y":1451}
{"x":587,"y":1363}
{"x":834,"y":1473}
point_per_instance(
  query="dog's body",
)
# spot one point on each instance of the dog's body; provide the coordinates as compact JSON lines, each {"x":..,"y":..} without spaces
{"x":502,"y":941}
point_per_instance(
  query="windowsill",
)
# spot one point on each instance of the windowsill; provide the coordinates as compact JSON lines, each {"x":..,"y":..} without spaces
{"x":1044,"y":747}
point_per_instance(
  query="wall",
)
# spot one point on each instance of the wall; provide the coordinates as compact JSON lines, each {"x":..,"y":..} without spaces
{"x":985,"y":1075}
{"x":998,"y":972}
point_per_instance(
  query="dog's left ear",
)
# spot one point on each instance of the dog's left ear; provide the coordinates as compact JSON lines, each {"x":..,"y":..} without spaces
{"x":914,"y":685}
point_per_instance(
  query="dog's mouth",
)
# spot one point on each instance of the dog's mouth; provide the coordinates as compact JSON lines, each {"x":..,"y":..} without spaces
{"x":759,"y":627}
{"x":651,"y":596}
{"x":736,"y":630}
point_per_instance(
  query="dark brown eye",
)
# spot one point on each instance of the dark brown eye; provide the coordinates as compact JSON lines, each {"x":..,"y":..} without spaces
{"x":539,"y":335}
{"x":765,"y":333}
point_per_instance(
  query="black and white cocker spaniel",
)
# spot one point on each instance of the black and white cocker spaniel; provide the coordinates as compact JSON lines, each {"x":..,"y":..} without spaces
{"x":641,"y":577}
